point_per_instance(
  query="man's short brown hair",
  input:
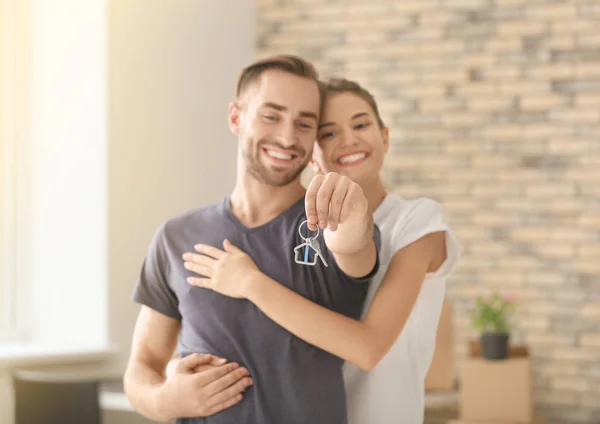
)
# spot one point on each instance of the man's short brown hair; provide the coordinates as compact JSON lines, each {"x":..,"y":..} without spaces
{"x":287,"y":63}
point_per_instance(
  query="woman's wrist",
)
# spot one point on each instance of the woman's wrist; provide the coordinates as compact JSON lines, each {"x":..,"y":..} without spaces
{"x":254,"y":283}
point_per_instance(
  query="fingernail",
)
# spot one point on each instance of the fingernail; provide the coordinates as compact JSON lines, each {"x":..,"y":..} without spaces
{"x":312,"y":219}
{"x":322,"y":224}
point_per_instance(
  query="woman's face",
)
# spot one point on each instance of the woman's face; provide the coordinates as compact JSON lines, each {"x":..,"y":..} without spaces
{"x":350,"y":141}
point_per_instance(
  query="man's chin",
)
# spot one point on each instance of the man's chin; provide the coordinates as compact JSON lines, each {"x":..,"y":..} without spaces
{"x":280,"y":182}
{"x":277,"y":179}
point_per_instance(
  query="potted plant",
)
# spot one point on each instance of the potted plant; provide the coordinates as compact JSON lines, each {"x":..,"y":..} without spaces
{"x":491,"y":318}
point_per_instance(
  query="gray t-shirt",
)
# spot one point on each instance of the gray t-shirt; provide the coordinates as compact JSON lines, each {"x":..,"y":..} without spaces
{"x":294,"y":382}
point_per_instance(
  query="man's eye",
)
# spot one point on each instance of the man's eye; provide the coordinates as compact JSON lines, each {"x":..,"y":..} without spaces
{"x":270,"y":117}
{"x":304,"y":126}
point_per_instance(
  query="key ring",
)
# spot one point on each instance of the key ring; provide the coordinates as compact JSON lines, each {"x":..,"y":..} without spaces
{"x":300,"y":231}
{"x":310,"y":243}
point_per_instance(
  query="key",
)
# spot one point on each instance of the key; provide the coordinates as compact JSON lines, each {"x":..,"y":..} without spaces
{"x":315,"y":245}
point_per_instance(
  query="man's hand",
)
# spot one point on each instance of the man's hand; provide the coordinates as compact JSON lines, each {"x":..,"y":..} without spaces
{"x":334,"y":199}
{"x":207,"y":362}
{"x":190,"y":393}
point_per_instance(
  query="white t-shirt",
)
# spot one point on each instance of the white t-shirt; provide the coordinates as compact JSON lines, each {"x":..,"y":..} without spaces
{"x":394,"y":391}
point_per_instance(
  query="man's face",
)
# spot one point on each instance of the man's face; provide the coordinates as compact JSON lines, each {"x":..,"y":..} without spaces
{"x":276,"y":120}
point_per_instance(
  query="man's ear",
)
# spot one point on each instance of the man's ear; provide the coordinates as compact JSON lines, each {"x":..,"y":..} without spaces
{"x":386,"y":139}
{"x":234,"y":117}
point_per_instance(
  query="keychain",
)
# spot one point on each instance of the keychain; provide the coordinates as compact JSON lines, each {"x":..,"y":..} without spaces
{"x":303,"y":250}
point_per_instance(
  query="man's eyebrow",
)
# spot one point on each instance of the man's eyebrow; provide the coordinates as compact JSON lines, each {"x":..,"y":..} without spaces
{"x":281,"y":108}
{"x":274,"y":106}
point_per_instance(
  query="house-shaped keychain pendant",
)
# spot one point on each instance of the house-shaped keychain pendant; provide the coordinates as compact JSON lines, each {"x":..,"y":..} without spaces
{"x":308,"y":252}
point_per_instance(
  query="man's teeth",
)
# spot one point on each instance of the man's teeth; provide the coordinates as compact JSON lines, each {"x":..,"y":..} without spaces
{"x":353,"y":158}
{"x":279,"y":155}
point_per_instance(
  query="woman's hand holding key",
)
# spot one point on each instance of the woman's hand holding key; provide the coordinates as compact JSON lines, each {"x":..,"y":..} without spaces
{"x":334,"y":199}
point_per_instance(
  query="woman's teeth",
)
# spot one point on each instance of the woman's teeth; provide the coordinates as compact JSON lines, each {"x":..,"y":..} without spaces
{"x":352,"y":158}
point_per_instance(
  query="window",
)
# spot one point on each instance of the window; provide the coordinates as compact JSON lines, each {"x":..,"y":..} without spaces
{"x":9,"y":325}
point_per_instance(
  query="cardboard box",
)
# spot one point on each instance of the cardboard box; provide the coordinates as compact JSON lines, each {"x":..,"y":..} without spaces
{"x":497,"y":391}
{"x":514,"y":351}
{"x":535,"y":421}
{"x":441,"y":372}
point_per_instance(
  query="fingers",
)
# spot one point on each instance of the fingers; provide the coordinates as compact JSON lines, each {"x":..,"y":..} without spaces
{"x":337,"y":202}
{"x":204,"y":367}
{"x":209,"y":251}
{"x":354,"y":197}
{"x":310,"y":201}
{"x":214,"y":362}
{"x":204,"y":283}
{"x":223,"y":405}
{"x":190,"y":362}
{"x":324,"y":198}
{"x":199,"y":264}
{"x":207,"y":377}
{"x":230,"y":393}
{"x":204,"y":270}
{"x":230,"y":247}
{"x":237,"y":381}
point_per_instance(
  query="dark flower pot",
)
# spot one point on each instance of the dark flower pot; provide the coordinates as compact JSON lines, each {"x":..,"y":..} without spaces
{"x":494,"y":346}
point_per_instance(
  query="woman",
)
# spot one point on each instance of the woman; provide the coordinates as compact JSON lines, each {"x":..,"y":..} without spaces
{"x":389,"y":352}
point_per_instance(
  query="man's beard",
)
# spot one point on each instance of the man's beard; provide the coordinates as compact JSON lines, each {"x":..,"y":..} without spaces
{"x":273,"y":176}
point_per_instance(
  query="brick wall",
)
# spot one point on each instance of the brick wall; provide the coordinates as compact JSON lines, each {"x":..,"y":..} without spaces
{"x":494,"y":110}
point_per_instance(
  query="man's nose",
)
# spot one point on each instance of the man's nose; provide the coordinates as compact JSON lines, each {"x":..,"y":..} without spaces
{"x":287,"y":134}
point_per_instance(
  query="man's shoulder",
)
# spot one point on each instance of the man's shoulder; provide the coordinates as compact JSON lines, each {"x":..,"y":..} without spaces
{"x":201,"y":216}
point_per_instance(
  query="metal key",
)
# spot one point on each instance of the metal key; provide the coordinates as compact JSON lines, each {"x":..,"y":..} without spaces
{"x":314,"y":243}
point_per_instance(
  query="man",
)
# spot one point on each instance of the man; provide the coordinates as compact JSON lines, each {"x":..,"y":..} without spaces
{"x":275,"y":115}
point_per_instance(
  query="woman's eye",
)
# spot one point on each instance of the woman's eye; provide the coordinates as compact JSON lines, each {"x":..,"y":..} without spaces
{"x":327,"y":135}
{"x":361,"y":126}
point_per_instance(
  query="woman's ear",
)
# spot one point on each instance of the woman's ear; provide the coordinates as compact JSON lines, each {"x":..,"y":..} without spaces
{"x":386,"y":139}
{"x":315,"y":166}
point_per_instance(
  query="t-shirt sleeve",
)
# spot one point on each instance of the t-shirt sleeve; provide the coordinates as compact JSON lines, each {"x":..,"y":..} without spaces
{"x":152,"y":288}
{"x":427,"y":216}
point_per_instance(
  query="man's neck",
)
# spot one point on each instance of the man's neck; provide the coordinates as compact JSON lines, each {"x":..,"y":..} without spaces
{"x":255,"y":203}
